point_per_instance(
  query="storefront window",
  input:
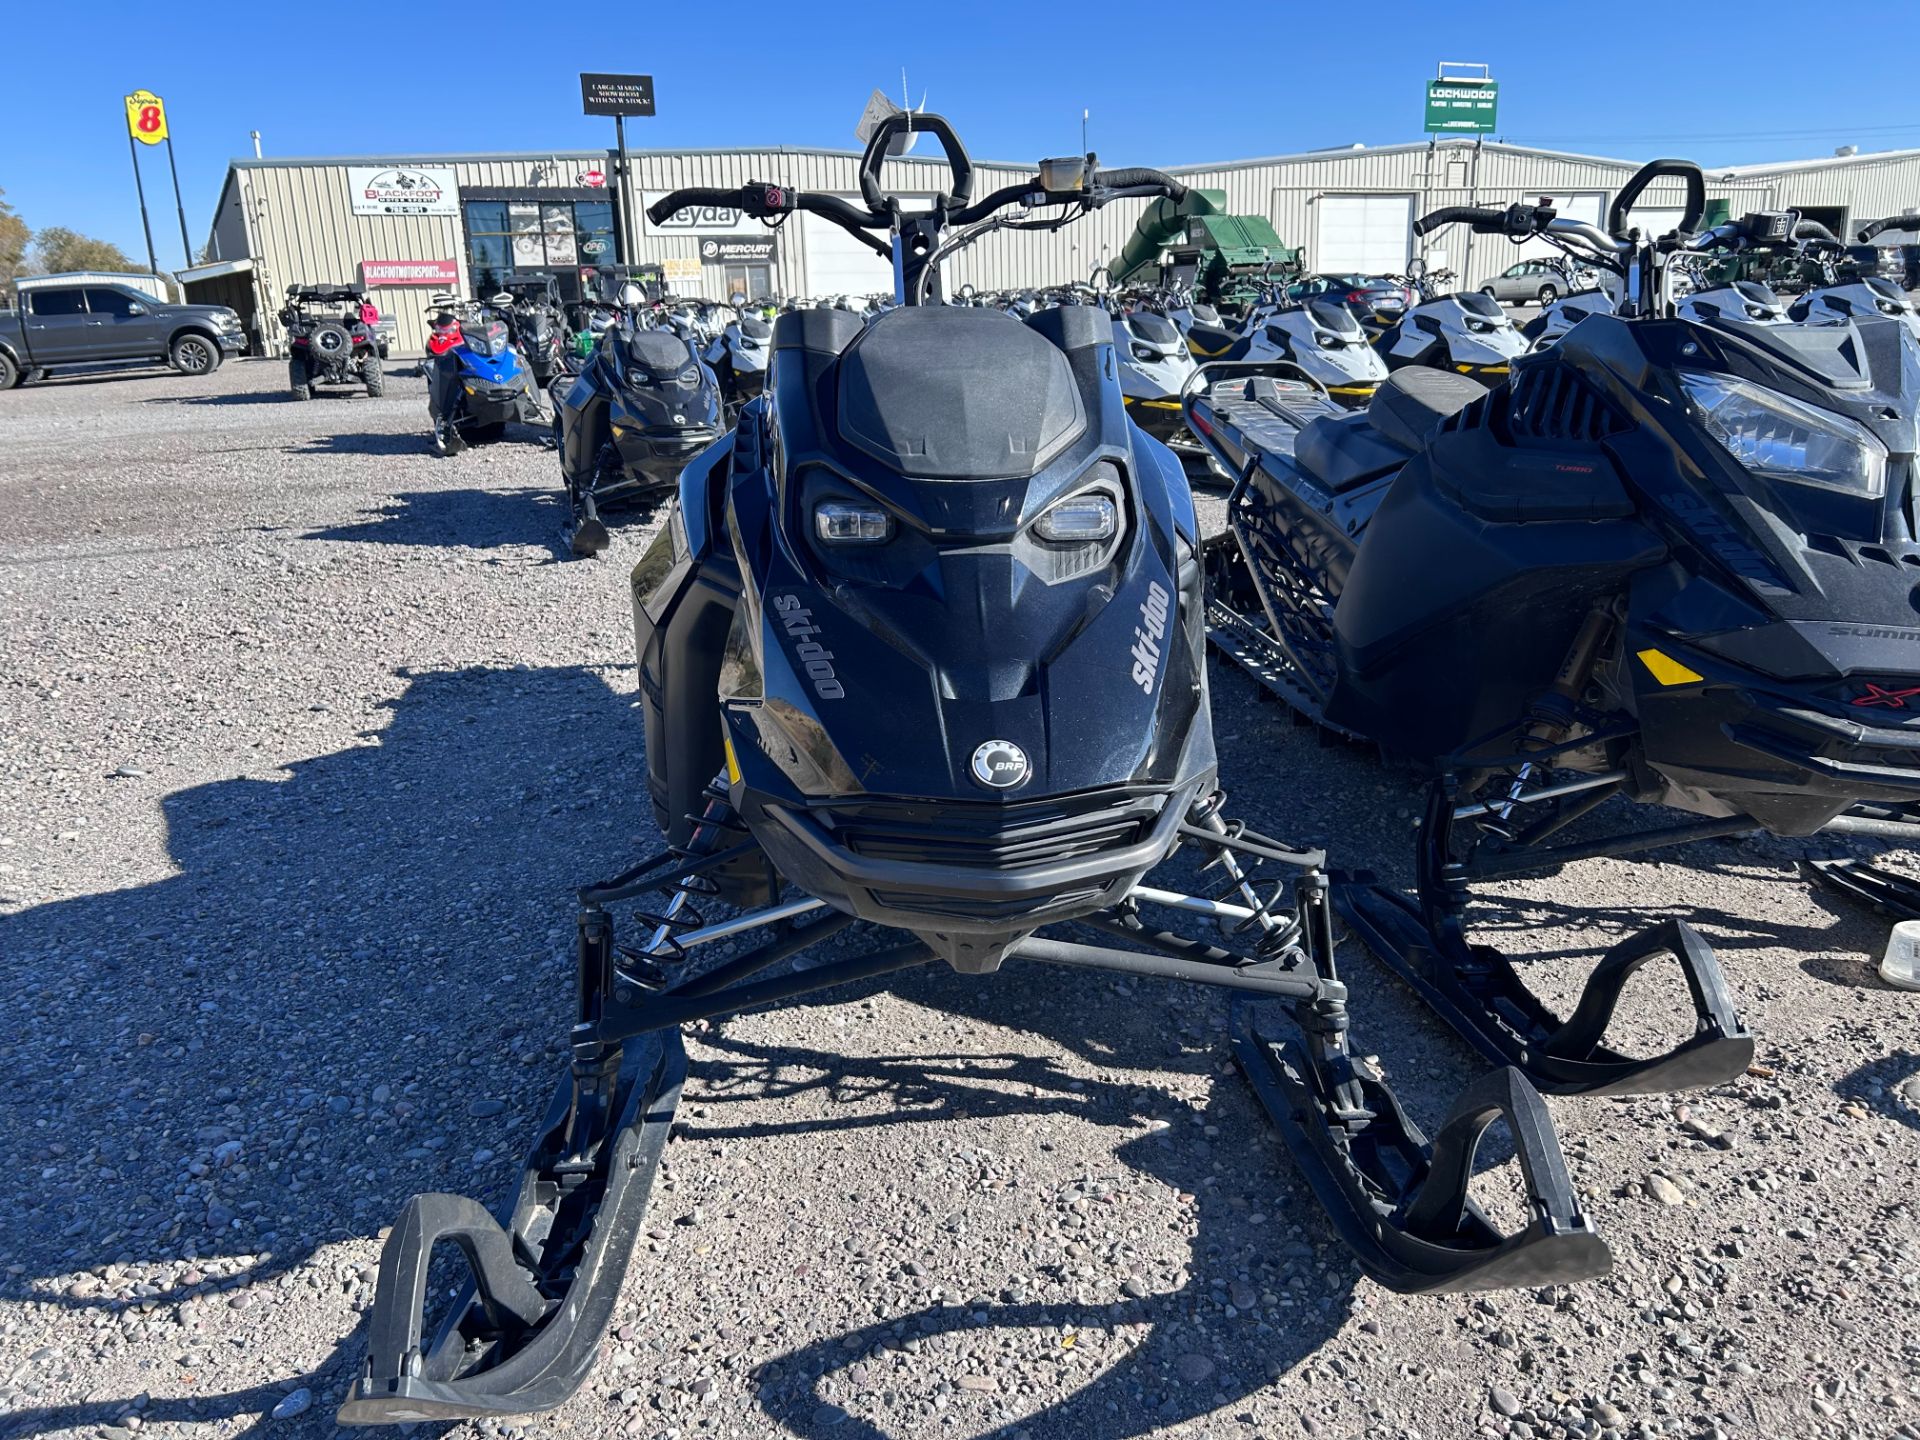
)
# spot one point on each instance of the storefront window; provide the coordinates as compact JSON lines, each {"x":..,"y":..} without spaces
{"x":504,"y":236}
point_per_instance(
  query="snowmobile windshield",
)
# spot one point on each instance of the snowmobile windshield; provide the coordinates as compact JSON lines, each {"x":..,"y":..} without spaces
{"x":1483,"y":307}
{"x":1335,"y":319}
{"x":752,"y":329}
{"x":1154,"y":330}
{"x":658,"y":355}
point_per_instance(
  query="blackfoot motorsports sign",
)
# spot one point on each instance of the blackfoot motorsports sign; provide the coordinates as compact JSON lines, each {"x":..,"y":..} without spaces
{"x":721,"y":250}
{"x":403,"y":190}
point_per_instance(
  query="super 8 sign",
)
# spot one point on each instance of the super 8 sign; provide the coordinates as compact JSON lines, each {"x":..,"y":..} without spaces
{"x":146,"y":117}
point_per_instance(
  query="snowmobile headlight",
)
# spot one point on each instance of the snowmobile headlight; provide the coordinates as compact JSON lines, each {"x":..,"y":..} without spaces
{"x":1777,"y":436}
{"x":1146,"y":354}
{"x":1326,"y":339}
{"x":841,"y":522}
{"x":1079,"y":518}
{"x":1482,"y":327}
{"x":747,"y":343}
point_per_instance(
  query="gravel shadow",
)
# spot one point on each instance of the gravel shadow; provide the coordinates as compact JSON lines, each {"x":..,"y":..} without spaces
{"x":216,"y":1074}
{"x":464,"y":519}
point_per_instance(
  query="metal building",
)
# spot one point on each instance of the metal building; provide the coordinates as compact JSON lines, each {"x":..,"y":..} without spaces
{"x":405,"y":226}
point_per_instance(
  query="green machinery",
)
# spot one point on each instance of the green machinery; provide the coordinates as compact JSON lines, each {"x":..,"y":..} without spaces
{"x":1219,"y":255}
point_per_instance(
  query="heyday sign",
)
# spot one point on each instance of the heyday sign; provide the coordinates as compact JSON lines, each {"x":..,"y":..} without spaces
{"x":701,"y":219}
{"x":737,"y":251}
{"x":403,"y":190}
{"x":1462,"y":105}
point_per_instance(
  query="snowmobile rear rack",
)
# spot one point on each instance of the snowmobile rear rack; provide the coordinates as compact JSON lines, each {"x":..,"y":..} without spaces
{"x":546,"y":1269}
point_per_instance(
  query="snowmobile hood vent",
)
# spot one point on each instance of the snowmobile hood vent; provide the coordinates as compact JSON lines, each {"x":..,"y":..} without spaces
{"x":949,"y":393}
{"x":1552,"y":402}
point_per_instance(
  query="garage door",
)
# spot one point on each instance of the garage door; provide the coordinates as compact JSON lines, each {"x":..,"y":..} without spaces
{"x":838,"y":264}
{"x":1364,"y":234}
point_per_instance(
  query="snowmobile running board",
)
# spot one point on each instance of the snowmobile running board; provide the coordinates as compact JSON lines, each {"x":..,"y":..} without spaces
{"x":547,"y":1268}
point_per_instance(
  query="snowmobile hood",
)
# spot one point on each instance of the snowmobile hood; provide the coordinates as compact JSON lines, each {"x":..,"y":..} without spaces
{"x":1790,"y":496}
{"x":658,"y":354}
{"x":951,"y":393}
{"x":884,"y":666}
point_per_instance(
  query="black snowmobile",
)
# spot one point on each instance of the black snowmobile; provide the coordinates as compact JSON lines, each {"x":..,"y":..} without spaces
{"x":1666,"y":560}
{"x":627,"y":425}
{"x":921,"y":646}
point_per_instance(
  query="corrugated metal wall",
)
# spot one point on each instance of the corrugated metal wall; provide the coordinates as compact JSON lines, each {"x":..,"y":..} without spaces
{"x":299,"y":226}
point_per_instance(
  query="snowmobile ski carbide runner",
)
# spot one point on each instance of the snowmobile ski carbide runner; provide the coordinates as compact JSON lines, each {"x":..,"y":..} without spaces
{"x":626,"y":425}
{"x":1666,"y":560}
{"x":935,"y":542}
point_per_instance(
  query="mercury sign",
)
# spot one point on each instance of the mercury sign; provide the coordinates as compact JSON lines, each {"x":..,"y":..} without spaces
{"x":701,"y":219}
{"x":403,"y":190}
{"x":741,"y":250}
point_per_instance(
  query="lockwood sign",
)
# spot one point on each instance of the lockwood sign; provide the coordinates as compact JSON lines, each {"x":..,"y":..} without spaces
{"x":402,"y":190}
{"x":1462,"y":105}
{"x":722,"y":251}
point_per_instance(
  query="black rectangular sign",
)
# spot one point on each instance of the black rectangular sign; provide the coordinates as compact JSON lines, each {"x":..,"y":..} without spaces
{"x":725,"y":250}
{"x":616,"y":94}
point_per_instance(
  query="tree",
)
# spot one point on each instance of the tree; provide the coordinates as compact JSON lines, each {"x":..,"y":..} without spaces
{"x":58,"y":249}
{"x":14,"y":238}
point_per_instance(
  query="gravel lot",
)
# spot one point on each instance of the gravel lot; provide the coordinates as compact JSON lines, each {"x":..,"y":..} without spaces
{"x":305,"y":737}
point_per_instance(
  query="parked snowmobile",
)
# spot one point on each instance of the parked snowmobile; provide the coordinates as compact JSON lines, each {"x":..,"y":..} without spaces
{"x":1562,"y":315}
{"x":645,"y":405}
{"x":944,"y":673}
{"x":531,"y":306}
{"x":1466,"y":333}
{"x":1852,"y":286}
{"x":1155,"y":365}
{"x":476,"y":382}
{"x":1321,"y":340}
{"x":738,"y":355}
{"x":1666,"y":560}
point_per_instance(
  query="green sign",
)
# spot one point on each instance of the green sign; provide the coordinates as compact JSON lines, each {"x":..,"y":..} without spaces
{"x":1468,"y":105}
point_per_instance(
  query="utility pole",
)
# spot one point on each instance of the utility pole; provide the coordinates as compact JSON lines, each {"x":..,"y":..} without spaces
{"x":256,"y":143}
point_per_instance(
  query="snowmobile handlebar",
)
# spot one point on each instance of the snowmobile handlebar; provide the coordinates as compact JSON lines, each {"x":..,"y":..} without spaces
{"x":764,"y":201}
{"x":1685,"y":170}
{"x":1872,"y":228}
{"x":1101,"y":186}
{"x":959,"y":163}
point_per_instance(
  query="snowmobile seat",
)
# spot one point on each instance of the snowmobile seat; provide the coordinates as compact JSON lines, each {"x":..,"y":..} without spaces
{"x":1344,"y":452}
{"x":827,"y":332}
{"x":1410,"y":402}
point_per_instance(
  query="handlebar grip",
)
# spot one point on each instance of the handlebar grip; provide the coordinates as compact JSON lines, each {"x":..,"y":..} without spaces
{"x":1459,"y":215}
{"x":1814,"y":230}
{"x":1139,"y":175}
{"x":755,"y":199}
{"x":1696,"y":204}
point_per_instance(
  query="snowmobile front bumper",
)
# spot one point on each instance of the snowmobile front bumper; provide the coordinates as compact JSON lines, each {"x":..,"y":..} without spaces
{"x":650,"y":462}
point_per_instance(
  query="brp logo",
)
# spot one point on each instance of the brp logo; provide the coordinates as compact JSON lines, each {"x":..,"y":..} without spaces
{"x":710,"y":249}
{"x":1001,"y":765}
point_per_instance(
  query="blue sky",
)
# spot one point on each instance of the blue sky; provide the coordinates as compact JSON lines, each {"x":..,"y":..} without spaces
{"x":1012,"y":77}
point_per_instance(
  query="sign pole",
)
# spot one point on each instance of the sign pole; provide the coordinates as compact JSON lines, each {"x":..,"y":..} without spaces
{"x":629,"y":225}
{"x":186,"y":245}
{"x":133,"y":154}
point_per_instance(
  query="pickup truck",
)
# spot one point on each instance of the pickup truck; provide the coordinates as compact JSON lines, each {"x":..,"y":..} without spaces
{"x":92,"y":324}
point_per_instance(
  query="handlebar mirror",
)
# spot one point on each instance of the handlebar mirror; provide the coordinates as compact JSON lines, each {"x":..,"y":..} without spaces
{"x":967,"y":292}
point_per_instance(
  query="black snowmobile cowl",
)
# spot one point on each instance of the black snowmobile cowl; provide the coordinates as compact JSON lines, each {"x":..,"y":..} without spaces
{"x":659,"y":355}
{"x":964,"y":778}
